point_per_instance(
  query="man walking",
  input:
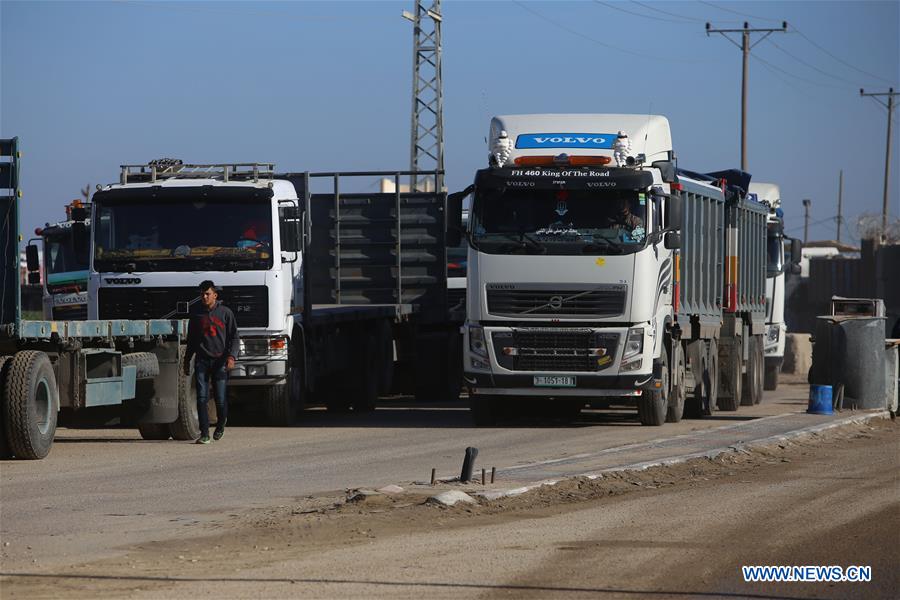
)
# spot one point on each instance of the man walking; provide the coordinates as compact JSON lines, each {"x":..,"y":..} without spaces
{"x":213,"y":339}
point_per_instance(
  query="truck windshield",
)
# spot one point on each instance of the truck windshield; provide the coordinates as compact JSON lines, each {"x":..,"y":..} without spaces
{"x":65,"y":260}
{"x":565,"y":222}
{"x":183,"y":234}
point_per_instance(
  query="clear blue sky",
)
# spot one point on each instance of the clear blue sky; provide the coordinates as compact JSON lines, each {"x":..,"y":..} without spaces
{"x":88,"y":86}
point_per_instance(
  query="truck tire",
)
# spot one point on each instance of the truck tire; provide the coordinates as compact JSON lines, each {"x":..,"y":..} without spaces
{"x":653,"y":404}
{"x":284,"y":403}
{"x":187,"y":425}
{"x":5,"y":451}
{"x":154,"y":431}
{"x":712,"y":382}
{"x":32,"y":402}
{"x":760,"y":368}
{"x":485,"y":410}
{"x":697,"y":404}
{"x":753,"y":376}
{"x":677,"y":391}
{"x":438,"y":371}
{"x":731,"y":381}
{"x":366,"y":383}
{"x":771,"y":378}
{"x":146,"y":362}
{"x":384,"y":337}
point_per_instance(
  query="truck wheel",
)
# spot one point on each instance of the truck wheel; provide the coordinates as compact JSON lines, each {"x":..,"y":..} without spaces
{"x":653,"y":404}
{"x":771,"y":378}
{"x":384,"y":340}
{"x":697,"y":404}
{"x":712,"y":383}
{"x":731,"y":382}
{"x":760,"y":369}
{"x":677,"y":390}
{"x":439,"y":370}
{"x":485,"y":410}
{"x":154,"y":431}
{"x":285,"y":402}
{"x":187,"y":425}
{"x":146,"y":362}
{"x":364,"y":393}
{"x":5,"y":451}
{"x":752,"y":380}
{"x":32,"y":401}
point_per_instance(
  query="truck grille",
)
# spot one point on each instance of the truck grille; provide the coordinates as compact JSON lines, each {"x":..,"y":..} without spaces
{"x":556,"y":350}
{"x":248,"y":303}
{"x":606,"y":301}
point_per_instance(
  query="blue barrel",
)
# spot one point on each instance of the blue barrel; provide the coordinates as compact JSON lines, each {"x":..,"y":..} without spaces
{"x":820,"y":400}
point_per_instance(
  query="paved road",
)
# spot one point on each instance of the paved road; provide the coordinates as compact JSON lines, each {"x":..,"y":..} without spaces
{"x":100,"y":490}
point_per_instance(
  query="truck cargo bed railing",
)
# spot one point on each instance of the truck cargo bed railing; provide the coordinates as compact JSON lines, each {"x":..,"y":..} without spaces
{"x":174,"y":169}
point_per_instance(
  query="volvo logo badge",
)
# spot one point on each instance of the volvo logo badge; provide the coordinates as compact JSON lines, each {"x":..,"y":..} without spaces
{"x":122,"y":280}
{"x":555,"y":302}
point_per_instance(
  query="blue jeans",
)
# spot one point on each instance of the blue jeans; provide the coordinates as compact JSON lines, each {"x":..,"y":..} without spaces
{"x":204,"y":370}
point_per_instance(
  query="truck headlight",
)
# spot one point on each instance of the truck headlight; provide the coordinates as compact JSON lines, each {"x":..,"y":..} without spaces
{"x":476,"y":340}
{"x":773,"y":333}
{"x":634,"y":343}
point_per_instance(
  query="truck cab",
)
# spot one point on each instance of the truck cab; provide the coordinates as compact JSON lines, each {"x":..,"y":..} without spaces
{"x":166,"y":226}
{"x":65,"y":250}
{"x":570,"y":266}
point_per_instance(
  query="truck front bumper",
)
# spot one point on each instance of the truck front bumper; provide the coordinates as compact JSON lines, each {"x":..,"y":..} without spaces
{"x":586,"y":386}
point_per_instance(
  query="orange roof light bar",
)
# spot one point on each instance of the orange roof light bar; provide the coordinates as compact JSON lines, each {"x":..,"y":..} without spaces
{"x":561,"y":160}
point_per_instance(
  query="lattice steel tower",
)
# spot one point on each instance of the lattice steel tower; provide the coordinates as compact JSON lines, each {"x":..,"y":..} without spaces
{"x":427,"y":132}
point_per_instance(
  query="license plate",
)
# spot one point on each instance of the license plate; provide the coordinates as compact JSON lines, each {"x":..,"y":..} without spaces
{"x":553,"y":381}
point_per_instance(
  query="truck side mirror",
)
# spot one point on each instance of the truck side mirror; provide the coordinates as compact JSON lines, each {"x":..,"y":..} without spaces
{"x":796,"y":251}
{"x":673,"y":211}
{"x":795,"y":268}
{"x":31,"y":258}
{"x":672,"y":240}
{"x":666,"y":170}
{"x":454,"y":216}
{"x":291,"y":220}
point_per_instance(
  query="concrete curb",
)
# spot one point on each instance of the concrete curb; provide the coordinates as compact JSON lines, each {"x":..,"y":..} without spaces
{"x":739,"y":447}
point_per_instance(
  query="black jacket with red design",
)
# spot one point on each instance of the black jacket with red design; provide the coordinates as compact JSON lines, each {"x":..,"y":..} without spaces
{"x":212,"y":333}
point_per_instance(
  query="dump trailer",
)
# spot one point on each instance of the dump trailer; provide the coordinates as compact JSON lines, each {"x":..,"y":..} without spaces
{"x":769,"y":194}
{"x":590,"y":283}
{"x":63,"y":272}
{"x":61,"y":365}
{"x":334,"y":291}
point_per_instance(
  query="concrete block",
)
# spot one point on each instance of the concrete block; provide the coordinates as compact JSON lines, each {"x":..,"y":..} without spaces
{"x":797,"y":354}
{"x":452,"y":497}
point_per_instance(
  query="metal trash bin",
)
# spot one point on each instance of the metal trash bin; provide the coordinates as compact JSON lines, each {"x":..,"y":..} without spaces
{"x":850,"y":351}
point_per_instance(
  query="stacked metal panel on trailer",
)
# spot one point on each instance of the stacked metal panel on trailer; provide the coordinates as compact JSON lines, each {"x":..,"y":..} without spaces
{"x":379,"y":248}
{"x":9,"y":233}
{"x":701,"y":258}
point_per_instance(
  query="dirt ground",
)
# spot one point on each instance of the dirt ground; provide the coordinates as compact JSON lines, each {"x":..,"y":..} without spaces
{"x":841,"y":486}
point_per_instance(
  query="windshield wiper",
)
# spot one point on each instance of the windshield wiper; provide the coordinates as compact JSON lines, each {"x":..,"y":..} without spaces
{"x":523,"y":242}
{"x":605,"y":244}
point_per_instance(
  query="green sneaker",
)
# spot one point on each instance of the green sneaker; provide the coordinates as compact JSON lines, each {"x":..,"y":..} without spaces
{"x":218,"y":433}
{"x":203,"y":439}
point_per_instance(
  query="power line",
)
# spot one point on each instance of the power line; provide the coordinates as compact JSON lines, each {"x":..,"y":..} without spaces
{"x":594,"y":40}
{"x":620,"y":9}
{"x":843,"y":62}
{"x":797,"y":77}
{"x":665,"y":12}
{"x":738,"y":13}
{"x":813,"y":67}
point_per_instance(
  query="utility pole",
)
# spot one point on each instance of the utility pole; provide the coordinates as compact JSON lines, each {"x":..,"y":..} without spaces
{"x":887,"y":154}
{"x":840,"y":217}
{"x":745,"y":47}
{"x":806,"y":203}
{"x":427,"y":132}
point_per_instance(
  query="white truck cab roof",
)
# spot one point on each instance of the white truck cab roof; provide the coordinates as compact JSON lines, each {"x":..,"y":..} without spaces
{"x":581,"y":134}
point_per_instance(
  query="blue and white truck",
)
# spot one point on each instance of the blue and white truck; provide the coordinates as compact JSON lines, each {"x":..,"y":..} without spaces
{"x":597,"y":270}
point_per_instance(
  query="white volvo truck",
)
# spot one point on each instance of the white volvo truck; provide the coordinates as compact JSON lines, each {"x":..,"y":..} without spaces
{"x":597,"y":270}
{"x":328,"y":289}
{"x":776,"y":330}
